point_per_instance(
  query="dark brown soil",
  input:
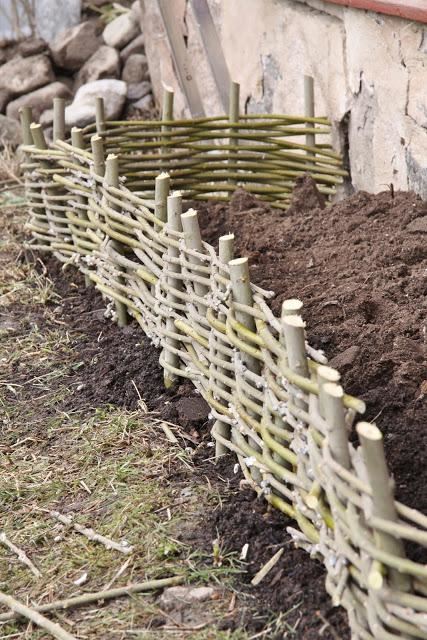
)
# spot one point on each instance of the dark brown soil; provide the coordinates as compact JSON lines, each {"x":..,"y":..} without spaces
{"x":294,"y":587}
{"x":360,"y":267}
{"x":118,"y":364}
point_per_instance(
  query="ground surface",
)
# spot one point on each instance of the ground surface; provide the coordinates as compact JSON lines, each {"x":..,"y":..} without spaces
{"x":82,"y":406}
{"x":360,"y":268}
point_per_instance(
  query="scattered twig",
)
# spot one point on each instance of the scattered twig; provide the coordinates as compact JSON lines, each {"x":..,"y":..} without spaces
{"x":327,"y":625}
{"x":266,"y":568}
{"x":168,"y":433}
{"x":86,"y":598}
{"x":117,"y":574}
{"x":22,"y":556}
{"x":21,"y":610}
{"x":91,"y":534}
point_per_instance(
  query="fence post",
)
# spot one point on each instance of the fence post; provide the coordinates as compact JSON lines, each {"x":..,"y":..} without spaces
{"x":294,"y":334}
{"x":310,"y":139}
{"x":38,"y":136}
{"x":78,"y":142}
{"x":161,"y":193}
{"x":174,"y":212}
{"x":233,"y":118}
{"x":334,"y":414}
{"x":293,"y":327}
{"x":111,"y":179}
{"x":77,"y":139}
{"x":25,"y":114}
{"x":325,"y":375}
{"x":242,"y":293}
{"x":167,"y":116}
{"x":98,"y":155}
{"x":167,"y":106}
{"x":225,"y":254}
{"x":58,"y":119}
{"x":193,"y":240}
{"x":371,"y":440}
{"x":99,"y":114}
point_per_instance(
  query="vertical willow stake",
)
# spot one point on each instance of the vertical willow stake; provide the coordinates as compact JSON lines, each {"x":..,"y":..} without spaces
{"x":167,"y":116}
{"x":99,"y":114}
{"x":38,"y":136}
{"x":225,"y":254}
{"x":174,"y":210}
{"x":324,"y":375}
{"x":167,"y":106}
{"x":193,"y":240}
{"x":98,"y":155}
{"x":242,"y":293}
{"x":77,"y":139}
{"x":310,"y":139}
{"x":78,"y":142}
{"x":371,"y":440}
{"x":111,"y":179}
{"x":333,"y":406}
{"x":293,"y":328}
{"x":233,"y":117}
{"x":58,"y":119}
{"x":161,"y":196}
{"x":25,"y":115}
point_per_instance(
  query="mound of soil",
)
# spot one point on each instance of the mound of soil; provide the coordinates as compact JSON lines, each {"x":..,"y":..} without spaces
{"x":360,"y":267}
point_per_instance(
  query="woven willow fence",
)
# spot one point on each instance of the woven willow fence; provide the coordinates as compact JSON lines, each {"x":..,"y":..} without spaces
{"x":275,"y":402}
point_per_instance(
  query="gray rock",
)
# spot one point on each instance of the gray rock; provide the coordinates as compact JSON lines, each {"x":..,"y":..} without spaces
{"x":10,"y":132}
{"x":73,"y":47}
{"x":104,"y":63}
{"x":21,"y":75}
{"x":137,"y":91}
{"x":46,"y":118}
{"x":137,"y":11}
{"x":69,"y":82}
{"x":144,"y":104}
{"x":38,"y":100}
{"x":419,"y":225}
{"x":135,"y":69}
{"x":82,"y":110}
{"x":121,"y":31}
{"x":31,"y":46}
{"x":5,"y":97}
{"x":175,"y":598}
{"x":135,"y":46}
{"x":54,"y":16}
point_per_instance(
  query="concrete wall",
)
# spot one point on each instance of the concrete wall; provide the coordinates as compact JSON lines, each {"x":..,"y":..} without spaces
{"x":370,"y":72}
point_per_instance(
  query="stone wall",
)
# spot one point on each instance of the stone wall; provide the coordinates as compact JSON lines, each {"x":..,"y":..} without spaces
{"x":101,"y":56}
{"x":42,"y":18}
{"x":369,"y":69}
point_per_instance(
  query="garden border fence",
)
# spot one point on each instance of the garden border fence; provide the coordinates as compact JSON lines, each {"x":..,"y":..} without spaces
{"x":97,"y":201}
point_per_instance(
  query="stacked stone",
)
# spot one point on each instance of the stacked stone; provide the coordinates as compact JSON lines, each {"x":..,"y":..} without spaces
{"x":83,"y":62}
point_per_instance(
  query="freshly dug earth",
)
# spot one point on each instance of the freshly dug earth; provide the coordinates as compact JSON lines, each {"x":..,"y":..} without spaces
{"x":113,"y":367}
{"x":360,"y":267}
